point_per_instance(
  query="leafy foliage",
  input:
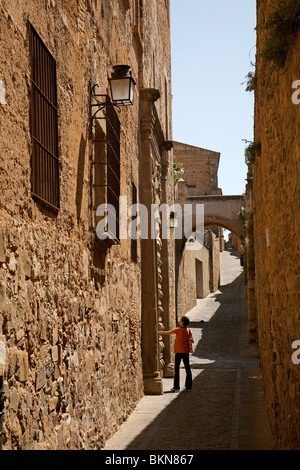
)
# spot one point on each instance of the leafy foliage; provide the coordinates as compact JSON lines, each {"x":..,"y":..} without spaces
{"x":253,"y":149}
{"x":251,"y":81}
{"x":177,"y":170}
{"x":282,"y":25}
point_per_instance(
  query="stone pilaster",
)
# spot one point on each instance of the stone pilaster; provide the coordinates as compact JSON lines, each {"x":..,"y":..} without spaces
{"x":150,"y":248}
{"x":167,"y":170}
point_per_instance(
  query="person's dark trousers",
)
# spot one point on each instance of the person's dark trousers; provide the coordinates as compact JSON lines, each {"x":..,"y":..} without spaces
{"x":186,"y":360}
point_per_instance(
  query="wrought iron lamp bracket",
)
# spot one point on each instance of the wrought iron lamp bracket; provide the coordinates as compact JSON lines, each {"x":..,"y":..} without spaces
{"x":100,"y":102}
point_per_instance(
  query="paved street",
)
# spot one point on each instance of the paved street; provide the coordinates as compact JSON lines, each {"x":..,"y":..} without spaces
{"x":226,"y":408}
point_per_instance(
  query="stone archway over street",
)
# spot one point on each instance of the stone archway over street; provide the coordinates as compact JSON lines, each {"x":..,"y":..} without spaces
{"x":223,"y":211}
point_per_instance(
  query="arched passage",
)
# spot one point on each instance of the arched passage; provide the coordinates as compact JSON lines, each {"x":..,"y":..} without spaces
{"x":222,"y":211}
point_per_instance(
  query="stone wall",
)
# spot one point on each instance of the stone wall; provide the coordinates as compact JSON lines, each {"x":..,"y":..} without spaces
{"x":212,"y":242}
{"x":276,"y":189}
{"x":70,"y":313}
{"x":73,"y":351}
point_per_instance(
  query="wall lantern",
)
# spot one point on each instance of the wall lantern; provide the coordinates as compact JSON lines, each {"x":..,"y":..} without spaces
{"x":122,"y":87}
{"x":173,"y":220}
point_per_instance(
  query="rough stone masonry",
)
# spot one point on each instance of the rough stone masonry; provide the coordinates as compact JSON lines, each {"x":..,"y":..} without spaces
{"x":70,"y":311}
{"x":276,"y":222}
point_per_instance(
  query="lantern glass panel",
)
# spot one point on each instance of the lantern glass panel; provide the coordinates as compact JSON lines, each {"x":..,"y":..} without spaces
{"x":120,"y":90}
{"x":132,"y":86}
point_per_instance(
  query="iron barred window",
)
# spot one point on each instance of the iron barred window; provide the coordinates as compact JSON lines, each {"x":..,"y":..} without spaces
{"x":107,"y":165}
{"x":113,"y":162}
{"x":44,"y":123}
{"x":134,"y":240}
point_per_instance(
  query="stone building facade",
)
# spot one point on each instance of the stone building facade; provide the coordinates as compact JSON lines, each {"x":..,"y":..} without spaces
{"x":78,"y":317}
{"x":275,"y":192}
{"x":200,"y":169}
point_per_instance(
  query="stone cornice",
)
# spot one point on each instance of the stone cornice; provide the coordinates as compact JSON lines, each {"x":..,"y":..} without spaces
{"x":149,"y":94}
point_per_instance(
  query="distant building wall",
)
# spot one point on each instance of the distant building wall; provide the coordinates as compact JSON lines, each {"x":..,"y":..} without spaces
{"x":194,"y":278}
{"x":200,"y":169}
{"x":235,"y":243}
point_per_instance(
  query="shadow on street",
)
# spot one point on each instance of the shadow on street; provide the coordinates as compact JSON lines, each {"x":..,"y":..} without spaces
{"x":211,"y":417}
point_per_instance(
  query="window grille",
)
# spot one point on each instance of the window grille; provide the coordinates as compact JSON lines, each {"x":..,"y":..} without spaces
{"x":44,"y":123}
{"x":107,"y":166}
{"x":133,"y":240}
{"x":113,"y":161}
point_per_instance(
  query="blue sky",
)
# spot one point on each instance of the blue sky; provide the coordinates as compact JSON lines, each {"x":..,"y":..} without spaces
{"x":213,"y":45}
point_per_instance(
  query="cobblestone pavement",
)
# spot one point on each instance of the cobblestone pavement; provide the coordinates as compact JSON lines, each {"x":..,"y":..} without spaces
{"x":226,"y":409}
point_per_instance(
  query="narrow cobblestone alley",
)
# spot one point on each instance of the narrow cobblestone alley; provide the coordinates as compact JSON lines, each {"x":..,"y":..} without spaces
{"x":226,"y":408}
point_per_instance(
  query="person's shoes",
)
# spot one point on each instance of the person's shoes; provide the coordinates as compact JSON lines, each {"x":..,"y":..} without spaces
{"x":175,"y":389}
{"x":188,"y":390}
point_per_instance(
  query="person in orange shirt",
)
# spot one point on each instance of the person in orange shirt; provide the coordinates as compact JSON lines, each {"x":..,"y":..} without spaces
{"x":181,"y":349}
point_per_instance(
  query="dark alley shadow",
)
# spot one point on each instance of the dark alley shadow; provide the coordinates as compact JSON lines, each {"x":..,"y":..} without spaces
{"x":202,"y":419}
